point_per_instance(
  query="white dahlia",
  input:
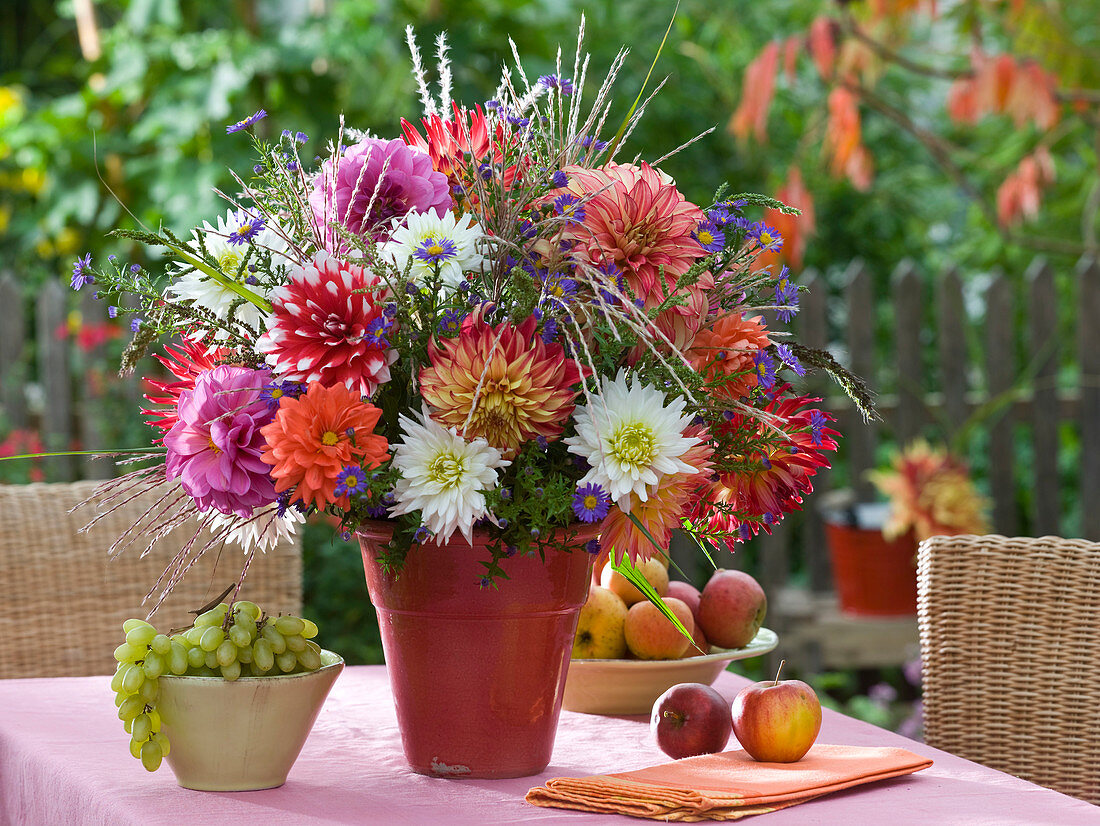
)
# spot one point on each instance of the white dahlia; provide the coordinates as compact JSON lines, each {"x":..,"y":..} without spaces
{"x":631,"y":440}
{"x":430,"y":240}
{"x":443,"y":476}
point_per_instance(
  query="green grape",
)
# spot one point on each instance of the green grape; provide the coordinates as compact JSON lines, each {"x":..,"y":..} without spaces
{"x":262,"y":657}
{"x":120,"y":672}
{"x":120,"y":698}
{"x":274,"y":639}
{"x":286,"y":661}
{"x":212,"y":617}
{"x":141,"y":728}
{"x":310,"y":631}
{"x":231,"y":671}
{"x":151,"y":755}
{"x":153,"y":666}
{"x":141,"y":635}
{"x":135,"y":747}
{"x":226,"y":653}
{"x":161,"y":644}
{"x":131,"y":707}
{"x":154,"y":720}
{"x":131,"y":624}
{"x":295,"y":643}
{"x":289,"y":625}
{"x":204,"y":671}
{"x":128,"y":724}
{"x":131,"y":683}
{"x":127,"y":653}
{"x":312,"y":646}
{"x":193,"y":635}
{"x":251,"y":609}
{"x":162,"y":740}
{"x":240,"y":636}
{"x":244,"y":655}
{"x":211,"y":638}
{"x":196,"y":657}
{"x":309,"y":659}
{"x":177,"y":658}
{"x":150,"y":690}
{"x":211,"y":659}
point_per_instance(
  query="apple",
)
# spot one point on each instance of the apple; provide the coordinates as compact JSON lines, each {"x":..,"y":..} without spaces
{"x":653,"y":571}
{"x":686,"y":592}
{"x":600,"y":634}
{"x":699,"y":644}
{"x":690,"y":719}
{"x":732,"y":608}
{"x":776,"y":722}
{"x":651,"y":636}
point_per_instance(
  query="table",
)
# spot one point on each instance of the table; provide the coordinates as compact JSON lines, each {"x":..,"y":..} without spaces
{"x":64,"y":759}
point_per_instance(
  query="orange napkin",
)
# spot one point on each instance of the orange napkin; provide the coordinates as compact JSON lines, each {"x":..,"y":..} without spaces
{"x":726,"y":786}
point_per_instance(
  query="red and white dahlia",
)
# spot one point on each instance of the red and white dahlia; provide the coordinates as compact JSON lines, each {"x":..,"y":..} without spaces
{"x":323,"y":330}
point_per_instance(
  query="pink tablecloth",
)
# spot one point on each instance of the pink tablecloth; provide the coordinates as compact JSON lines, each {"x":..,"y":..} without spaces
{"x":64,"y":759}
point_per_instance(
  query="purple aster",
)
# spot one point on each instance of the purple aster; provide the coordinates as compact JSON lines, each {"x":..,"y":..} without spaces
{"x":817,"y":424}
{"x":82,"y":273}
{"x":592,"y":546}
{"x":710,"y":237}
{"x":435,"y":250}
{"x":258,"y":169}
{"x":591,"y":503}
{"x":562,"y":289}
{"x":719,"y":215}
{"x":562,"y":84}
{"x":765,"y":370}
{"x":216,"y":446}
{"x":786,"y":297}
{"x":347,"y":185}
{"x":734,"y":205}
{"x":135,"y":324}
{"x":422,"y":535}
{"x":569,"y":207}
{"x":589,"y":141}
{"x":248,"y":230}
{"x":274,"y":392}
{"x":376,"y":330}
{"x":301,"y":137}
{"x":743,"y":532}
{"x":351,"y":481}
{"x":135,"y":268}
{"x":450,"y":323}
{"x":112,"y":312}
{"x":787,"y":356}
{"x":255,"y":117}
{"x":767,"y":237}
{"x":549,"y":330}
{"x":559,"y":180}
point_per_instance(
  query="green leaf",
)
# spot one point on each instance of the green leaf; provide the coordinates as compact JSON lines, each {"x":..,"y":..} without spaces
{"x":634,"y":576}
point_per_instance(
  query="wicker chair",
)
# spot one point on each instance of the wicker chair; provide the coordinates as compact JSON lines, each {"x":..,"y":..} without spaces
{"x":64,"y":600}
{"x":1010,"y":640}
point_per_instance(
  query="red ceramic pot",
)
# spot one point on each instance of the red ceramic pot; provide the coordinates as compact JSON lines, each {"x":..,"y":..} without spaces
{"x":873,"y":576}
{"x":477,"y":673}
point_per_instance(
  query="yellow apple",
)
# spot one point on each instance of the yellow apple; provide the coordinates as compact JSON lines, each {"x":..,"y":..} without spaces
{"x":600,"y":634}
{"x":653,"y":571}
{"x":650,"y":635}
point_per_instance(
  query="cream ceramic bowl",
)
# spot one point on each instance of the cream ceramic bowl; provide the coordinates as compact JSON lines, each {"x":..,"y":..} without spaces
{"x":241,"y":735}
{"x":632,"y":686}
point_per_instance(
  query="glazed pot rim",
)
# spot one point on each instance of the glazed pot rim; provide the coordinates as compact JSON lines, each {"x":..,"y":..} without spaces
{"x":338,"y":663}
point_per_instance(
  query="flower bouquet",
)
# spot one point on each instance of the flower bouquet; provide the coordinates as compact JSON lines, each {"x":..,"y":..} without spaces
{"x":490,"y":333}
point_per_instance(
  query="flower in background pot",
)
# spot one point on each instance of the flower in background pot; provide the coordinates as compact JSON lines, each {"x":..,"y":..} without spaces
{"x":930,"y":493}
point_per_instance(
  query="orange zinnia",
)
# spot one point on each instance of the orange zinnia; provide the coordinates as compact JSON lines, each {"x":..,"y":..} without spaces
{"x":316,"y":436}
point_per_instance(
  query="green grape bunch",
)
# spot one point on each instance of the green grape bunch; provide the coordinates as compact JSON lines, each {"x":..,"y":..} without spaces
{"x":227,"y":641}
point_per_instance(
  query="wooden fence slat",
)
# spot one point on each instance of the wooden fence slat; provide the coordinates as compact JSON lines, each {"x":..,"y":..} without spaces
{"x":1088,"y":357}
{"x":1043,"y":343}
{"x":908,"y":306}
{"x":952,"y":351}
{"x":859,"y":436}
{"x":813,"y":331}
{"x":56,"y":381}
{"x":13,"y":371}
{"x":1001,"y":374}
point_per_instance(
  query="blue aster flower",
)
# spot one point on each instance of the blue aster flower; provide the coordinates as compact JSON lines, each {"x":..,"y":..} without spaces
{"x":351,"y":481}
{"x":562,"y":84}
{"x":590,"y":141}
{"x":787,"y":356}
{"x":450,"y":323}
{"x":82,"y":273}
{"x":549,"y":330}
{"x":255,"y":117}
{"x":767,"y":237}
{"x":135,"y":324}
{"x":591,"y":503}
{"x":434,"y":250}
{"x":592,"y":546}
{"x":246,"y":231}
{"x":112,"y":312}
{"x":765,"y":370}
{"x":559,"y":180}
{"x":709,"y":236}
{"x":569,"y":207}
{"x":817,"y":424}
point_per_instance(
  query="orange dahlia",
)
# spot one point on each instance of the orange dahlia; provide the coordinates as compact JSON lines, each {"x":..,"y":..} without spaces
{"x":663,"y":510}
{"x":635,"y":218}
{"x":527,"y":387}
{"x":316,"y":436}
{"x":724,"y":352}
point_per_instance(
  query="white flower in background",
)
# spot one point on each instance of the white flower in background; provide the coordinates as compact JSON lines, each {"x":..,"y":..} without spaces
{"x":430,"y":240}
{"x":228,"y":244}
{"x":443,"y":476}
{"x":262,"y":531}
{"x":632,"y":439}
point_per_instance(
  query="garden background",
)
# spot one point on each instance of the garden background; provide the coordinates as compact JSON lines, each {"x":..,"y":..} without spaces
{"x":114,"y":112}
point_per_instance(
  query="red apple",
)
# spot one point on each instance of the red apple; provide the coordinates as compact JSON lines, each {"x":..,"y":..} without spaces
{"x":777,"y":722}
{"x":732,"y":608}
{"x":686,"y":593}
{"x":690,"y":719}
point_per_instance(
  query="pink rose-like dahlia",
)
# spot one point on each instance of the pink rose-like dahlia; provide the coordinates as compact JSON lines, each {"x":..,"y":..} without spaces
{"x":637,"y":220}
{"x":214,"y":448}
{"x":322,"y":330}
{"x":346,"y":186}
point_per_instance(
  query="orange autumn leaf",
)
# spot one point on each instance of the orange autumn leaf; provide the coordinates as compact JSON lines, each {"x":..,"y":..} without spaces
{"x":822,"y":46}
{"x":848,"y":157}
{"x":1020,"y":196}
{"x":1003,"y":85}
{"x":795,"y":229}
{"x":756,"y":95}
{"x":791,"y":47}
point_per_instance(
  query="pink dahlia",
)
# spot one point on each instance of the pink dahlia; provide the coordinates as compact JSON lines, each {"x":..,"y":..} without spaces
{"x":724,"y":352}
{"x":185,"y":364}
{"x":348,"y":185}
{"x":323,"y":330}
{"x":215,"y":447}
{"x":635,"y":218}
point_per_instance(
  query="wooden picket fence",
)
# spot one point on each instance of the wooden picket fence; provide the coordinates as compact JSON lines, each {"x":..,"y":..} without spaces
{"x":940,"y":350}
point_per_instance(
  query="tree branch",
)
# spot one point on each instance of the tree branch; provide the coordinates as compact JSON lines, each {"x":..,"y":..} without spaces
{"x":850,"y":26}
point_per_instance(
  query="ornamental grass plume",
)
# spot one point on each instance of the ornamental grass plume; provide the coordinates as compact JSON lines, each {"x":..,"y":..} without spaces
{"x":930,"y":493}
